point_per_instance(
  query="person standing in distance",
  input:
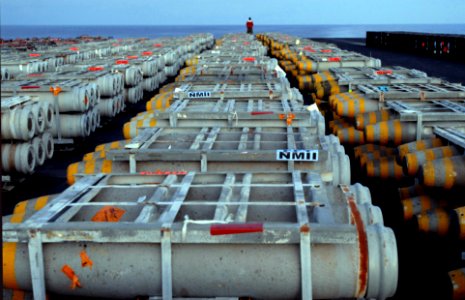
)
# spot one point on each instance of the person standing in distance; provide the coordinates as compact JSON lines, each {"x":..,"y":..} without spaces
{"x":249,"y":26}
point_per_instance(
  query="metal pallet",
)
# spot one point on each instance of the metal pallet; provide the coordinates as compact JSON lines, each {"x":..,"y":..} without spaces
{"x":419,"y":91}
{"x":274,"y":89}
{"x":380,"y":76}
{"x":443,"y":113}
{"x":216,"y":148}
{"x":455,"y":136}
{"x":228,"y":116}
{"x":9,"y":103}
{"x":237,"y":210}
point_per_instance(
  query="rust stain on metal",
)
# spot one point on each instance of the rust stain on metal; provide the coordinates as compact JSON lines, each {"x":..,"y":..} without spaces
{"x":345,"y":188}
{"x":305,"y":228}
{"x":363,"y":247}
{"x":51,"y":234}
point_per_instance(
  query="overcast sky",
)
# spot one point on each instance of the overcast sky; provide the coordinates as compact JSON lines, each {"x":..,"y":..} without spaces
{"x":229,"y":12}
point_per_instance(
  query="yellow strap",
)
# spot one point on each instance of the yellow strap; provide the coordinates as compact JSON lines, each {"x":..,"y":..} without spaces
{"x":41,"y":202}
{"x":20,"y":207}
{"x":8,"y":268}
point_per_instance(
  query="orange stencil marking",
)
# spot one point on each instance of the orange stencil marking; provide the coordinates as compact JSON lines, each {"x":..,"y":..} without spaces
{"x":288,"y":117}
{"x":69,"y":272}
{"x":95,"y":68}
{"x":309,"y":48}
{"x":85,"y":260}
{"x":384,"y":72}
{"x":108,"y":214}
{"x":248,"y":59}
{"x":55,"y":90}
{"x":160,"y":172}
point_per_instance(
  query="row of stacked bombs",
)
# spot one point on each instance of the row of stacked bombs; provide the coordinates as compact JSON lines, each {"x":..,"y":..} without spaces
{"x":383,"y":107}
{"x":90,"y":80}
{"x":440,"y":174}
{"x":27,"y":134}
{"x":360,"y":118}
{"x":404,"y":125}
{"x":429,"y":175}
{"x":77,"y":85}
{"x":37,"y":43}
{"x":227,"y":172}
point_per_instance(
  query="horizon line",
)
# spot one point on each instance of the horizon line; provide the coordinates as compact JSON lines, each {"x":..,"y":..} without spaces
{"x":229,"y":24}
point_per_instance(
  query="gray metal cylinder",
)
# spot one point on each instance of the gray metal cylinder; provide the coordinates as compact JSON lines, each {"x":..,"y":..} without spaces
{"x":394,"y":131}
{"x":382,"y":284}
{"x":259,"y":271}
{"x":171,"y":70}
{"x":161,"y":75}
{"x":134,"y":94}
{"x":94,"y":117}
{"x":170,"y":58}
{"x":39,"y":115}
{"x":76,"y":100}
{"x":447,"y":172}
{"x":119,"y":82}
{"x":18,"y":124}
{"x":121,"y":105}
{"x":4,"y":74}
{"x":18,"y":158}
{"x":77,"y":125}
{"x":133,"y":76}
{"x":48,"y":144}
{"x":108,"y":85}
{"x":340,"y":169}
{"x":149,"y":68}
{"x":71,"y":58}
{"x":49,"y":113}
{"x":108,"y":106}
{"x":150,"y":83}
{"x":14,"y":68}
{"x":39,"y":150}
{"x":94,"y":93}
{"x":295,"y":94}
{"x":334,"y":144}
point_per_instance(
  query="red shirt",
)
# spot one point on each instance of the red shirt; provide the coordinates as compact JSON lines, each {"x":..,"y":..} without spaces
{"x":249,"y":24}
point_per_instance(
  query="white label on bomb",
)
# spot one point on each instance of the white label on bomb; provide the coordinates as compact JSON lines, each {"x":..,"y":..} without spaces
{"x":199,"y":94}
{"x":298,"y":155}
